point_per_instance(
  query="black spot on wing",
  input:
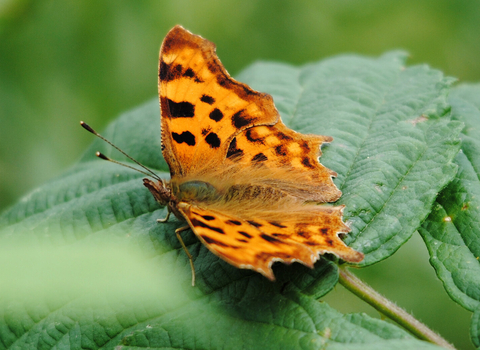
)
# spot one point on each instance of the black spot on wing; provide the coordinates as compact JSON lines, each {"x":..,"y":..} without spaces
{"x":185,"y":136}
{"x":208,"y":217}
{"x":234,"y":153}
{"x":283,"y":137}
{"x":216,"y":115}
{"x":168,"y":73}
{"x":254,"y":223}
{"x":198,"y":223}
{"x":207,"y":99}
{"x":240,"y":120}
{"x":234,"y":222}
{"x":249,"y":134}
{"x":245,"y":234}
{"x":213,"y":140}
{"x":269,"y":238}
{"x":274,"y":223}
{"x":259,"y":157}
{"x":222,"y":80}
{"x":210,"y":240}
{"x":304,"y":234}
{"x":189,"y":73}
{"x":177,"y":69}
{"x":324,"y":231}
{"x":180,"y":109}
{"x":308,"y":163}
{"x":163,"y":70}
{"x":281,"y":150}
{"x":305,"y":147}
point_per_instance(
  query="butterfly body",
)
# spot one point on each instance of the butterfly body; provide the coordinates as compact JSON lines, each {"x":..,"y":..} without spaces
{"x":247,"y":185}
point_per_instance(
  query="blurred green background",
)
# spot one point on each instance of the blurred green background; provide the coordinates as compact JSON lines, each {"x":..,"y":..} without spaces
{"x":66,"y":61}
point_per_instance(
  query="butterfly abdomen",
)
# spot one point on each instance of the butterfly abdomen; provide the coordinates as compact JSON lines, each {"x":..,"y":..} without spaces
{"x":247,"y":192}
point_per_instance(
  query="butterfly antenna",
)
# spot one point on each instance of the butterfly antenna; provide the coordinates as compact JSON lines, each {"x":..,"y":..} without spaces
{"x":104,"y":157}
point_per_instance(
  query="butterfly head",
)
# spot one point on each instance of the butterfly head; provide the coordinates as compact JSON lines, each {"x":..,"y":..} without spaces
{"x":160,"y":190}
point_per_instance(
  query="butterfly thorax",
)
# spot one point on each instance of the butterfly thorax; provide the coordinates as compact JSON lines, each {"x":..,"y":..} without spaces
{"x":172,"y":193}
{"x":195,"y":191}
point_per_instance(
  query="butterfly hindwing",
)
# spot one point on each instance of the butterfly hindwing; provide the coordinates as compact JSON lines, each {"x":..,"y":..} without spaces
{"x":300,"y":235}
{"x":241,"y":243}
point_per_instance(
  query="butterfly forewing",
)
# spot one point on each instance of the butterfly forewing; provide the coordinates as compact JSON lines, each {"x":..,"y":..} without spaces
{"x":202,"y":107}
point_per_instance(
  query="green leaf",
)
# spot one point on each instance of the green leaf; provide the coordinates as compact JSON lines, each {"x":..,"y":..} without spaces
{"x":451,"y":233}
{"x":88,"y":265}
{"x":393,"y":145}
{"x":228,"y":319}
{"x":475,"y":328}
{"x":452,"y":230}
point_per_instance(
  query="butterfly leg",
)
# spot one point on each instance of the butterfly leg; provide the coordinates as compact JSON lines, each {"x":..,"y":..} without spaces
{"x":165,"y":219}
{"x":190,"y":257}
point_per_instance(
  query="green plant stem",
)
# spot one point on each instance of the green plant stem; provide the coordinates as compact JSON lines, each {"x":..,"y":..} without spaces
{"x":389,"y":309}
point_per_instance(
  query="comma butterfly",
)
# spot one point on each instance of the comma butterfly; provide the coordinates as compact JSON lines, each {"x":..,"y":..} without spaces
{"x":248,"y":186}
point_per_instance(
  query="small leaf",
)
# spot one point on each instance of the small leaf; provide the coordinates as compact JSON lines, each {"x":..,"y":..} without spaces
{"x":452,"y":231}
